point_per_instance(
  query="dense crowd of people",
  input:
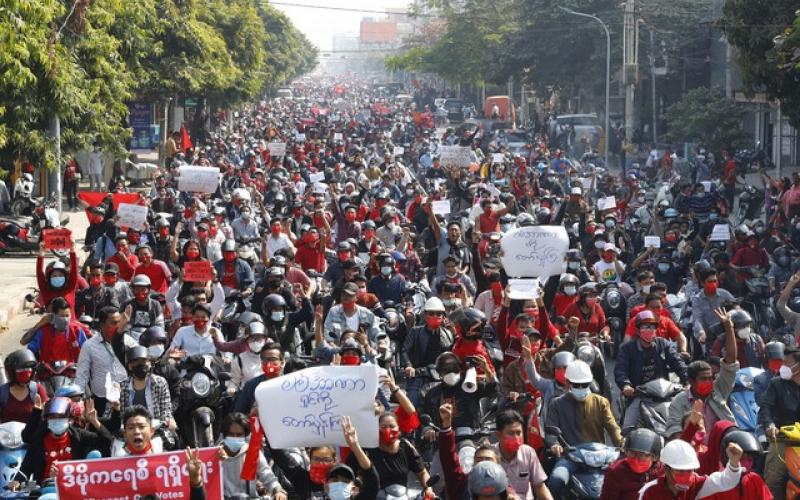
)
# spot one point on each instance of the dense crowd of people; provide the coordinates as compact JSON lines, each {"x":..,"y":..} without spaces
{"x":616,"y":379}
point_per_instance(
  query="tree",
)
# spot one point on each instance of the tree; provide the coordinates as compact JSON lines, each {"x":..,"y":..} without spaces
{"x":707,"y":117}
{"x":752,"y":26}
{"x":289,"y":52}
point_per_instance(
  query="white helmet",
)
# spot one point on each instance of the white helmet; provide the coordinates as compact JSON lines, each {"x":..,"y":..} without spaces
{"x":434,"y":304}
{"x":578,"y":372}
{"x":679,"y":455}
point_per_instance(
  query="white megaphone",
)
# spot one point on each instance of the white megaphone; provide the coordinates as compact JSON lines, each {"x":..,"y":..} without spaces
{"x":470,"y":381}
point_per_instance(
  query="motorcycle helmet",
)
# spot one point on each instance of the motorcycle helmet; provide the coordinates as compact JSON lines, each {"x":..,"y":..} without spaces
{"x":774,"y":350}
{"x":486,"y":479}
{"x":434,"y":304}
{"x":679,"y":455}
{"x":525,"y":219}
{"x":643,"y":441}
{"x":17,"y":360}
{"x":136,"y":352}
{"x":58,"y":407}
{"x":578,"y":372}
{"x":543,"y":215}
{"x":746,"y":441}
{"x":368,"y":224}
{"x":646,"y":317}
{"x":162,"y":222}
{"x":468,"y":318}
{"x":446,"y":362}
{"x":562,"y":359}
{"x":585,"y":351}
{"x":740,"y":318}
{"x":27,"y":177}
{"x":349,"y":345}
{"x":670,"y":213}
{"x":274,"y":301}
{"x":568,"y":279}
{"x":141,"y":280}
{"x":248,"y":317}
{"x":229,"y":246}
{"x":69,"y":391}
{"x":153,"y":335}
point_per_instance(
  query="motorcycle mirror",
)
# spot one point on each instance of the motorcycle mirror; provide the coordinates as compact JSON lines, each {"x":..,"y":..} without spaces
{"x":552,"y":429}
{"x":223,"y":376}
{"x":425,"y":420}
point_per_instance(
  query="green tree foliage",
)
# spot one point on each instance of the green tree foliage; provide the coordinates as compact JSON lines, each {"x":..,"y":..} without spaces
{"x":289,"y":52}
{"x":706,"y":116}
{"x":754,"y":27}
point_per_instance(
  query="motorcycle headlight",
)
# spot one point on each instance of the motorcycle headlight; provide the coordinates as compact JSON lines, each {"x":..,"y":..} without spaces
{"x":594,"y":458}
{"x":201,"y":384}
{"x":614,"y":299}
{"x":10,"y":437}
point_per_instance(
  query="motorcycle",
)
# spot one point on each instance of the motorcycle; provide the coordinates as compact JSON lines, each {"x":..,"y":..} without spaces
{"x":16,"y":236}
{"x":748,"y":160}
{"x":22,"y":201}
{"x":400,"y":492}
{"x":654,"y":400}
{"x":592,"y":460}
{"x":614,"y":306}
{"x":235,"y":305}
{"x":791,"y":458}
{"x":751,"y":201}
{"x":742,"y":400}
{"x":12,"y":451}
{"x":202,"y":399}
{"x":56,"y":374}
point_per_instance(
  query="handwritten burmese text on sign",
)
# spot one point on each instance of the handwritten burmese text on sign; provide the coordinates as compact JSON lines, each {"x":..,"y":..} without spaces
{"x":530,"y":252}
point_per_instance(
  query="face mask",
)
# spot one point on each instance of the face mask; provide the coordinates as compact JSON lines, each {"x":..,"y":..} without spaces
{"x":256,"y":345}
{"x":276,"y":230}
{"x":746,"y":462}
{"x":512,"y":444}
{"x":433,"y":322}
{"x":646,"y":289}
{"x":229,"y":256}
{"x":140,"y":371}
{"x":163,"y":232}
{"x":610,"y":224}
{"x":58,"y":426}
{"x":580,"y":393}
{"x":110,"y":280}
{"x":271,"y":369}
{"x":246,"y":216}
{"x":451,"y":379}
{"x":599,"y":244}
{"x":713,"y":216}
{"x":710,"y":288}
{"x":351,"y":360}
{"x":319,"y":472}
{"x":339,"y":490}
{"x":786,"y":372}
{"x":561,"y":375}
{"x":388,"y":436}
{"x":639,"y":465}
{"x":368,"y":234}
{"x":155,"y":351}
{"x":452,"y":302}
{"x":683,"y":479}
{"x":57,"y":281}
{"x":60,"y":323}
{"x":608,"y":257}
{"x":774,"y":365}
{"x":591,"y":301}
{"x":276,"y":316}
{"x":349,"y":306}
{"x":234,"y":444}
{"x":386,"y":270}
{"x":573,"y":265}
{"x":350,"y":216}
{"x":704,"y":387}
{"x":192,"y":254}
{"x":743,"y":333}
{"x":200,"y":324}
{"x":663,"y":267}
{"x":95,"y":281}
{"x":141,"y":296}
{"x":647,"y":335}
{"x":23,"y":376}
{"x":533,"y":312}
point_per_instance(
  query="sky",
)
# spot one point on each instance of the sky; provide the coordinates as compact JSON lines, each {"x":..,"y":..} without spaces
{"x":320,"y":25}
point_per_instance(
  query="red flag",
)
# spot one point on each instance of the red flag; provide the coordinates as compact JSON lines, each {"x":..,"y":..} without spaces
{"x":93,"y":198}
{"x":250,"y":465}
{"x":186,"y":141}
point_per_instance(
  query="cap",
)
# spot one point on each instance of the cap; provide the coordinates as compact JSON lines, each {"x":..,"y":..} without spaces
{"x":342,"y":470}
{"x":576,"y":190}
{"x":350,"y":289}
{"x":487,"y":478}
{"x":111,"y":268}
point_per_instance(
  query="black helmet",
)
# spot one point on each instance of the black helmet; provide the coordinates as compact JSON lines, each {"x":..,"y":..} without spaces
{"x":248,"y":317}
{"x":525,"y":219}
{"x":774,"y":350}
{"x":136,"y":352}
{"x":543,"y":215}
{"x":644,"y":441}
{"x":274,"y":301}
{"x":351,"y":345}
{"x":740,"y":318}
{"x":468,"y":317}
{"x":153,"y":335}
{"x":746,"y":441}
{"x":387,"y":260}
{"x":229,"y":246}
{"x":562,"y":359}
{"x":21,"y":358}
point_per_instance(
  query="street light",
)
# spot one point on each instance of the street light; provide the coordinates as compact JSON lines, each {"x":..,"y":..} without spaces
{"x":608,"y":67}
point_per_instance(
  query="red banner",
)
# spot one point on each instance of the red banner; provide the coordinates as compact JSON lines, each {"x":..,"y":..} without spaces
{"x":57,"y":239}
{"x":197,"y":271}
{"x":93,"y":198}
{"x":164,"y":475}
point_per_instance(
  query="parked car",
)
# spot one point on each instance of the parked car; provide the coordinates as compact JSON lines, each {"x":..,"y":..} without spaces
{"x":455,"y":110}
{"x":284,"y":93}
{"x":585,"y":125}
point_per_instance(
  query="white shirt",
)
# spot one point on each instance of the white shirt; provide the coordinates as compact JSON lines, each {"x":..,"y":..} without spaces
{"x":96,"y":162}
{"x":607,"y":271}
{"x":95,"y":360}
{"x":245,"y":367}
{"x":186,"y":338}
{"x":274,"y":244}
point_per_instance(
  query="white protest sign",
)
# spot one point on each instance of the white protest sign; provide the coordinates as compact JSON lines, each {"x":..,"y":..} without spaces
{"x":133,"y":216}
{"x":320,"y":187}
{"x":337,"y":136}
{"x":398,"y":151}
{"x":497,"y":158}
{"x":305,"y":407}
{"x":460,"y":156}
{"x":608,"y":203}
{"x":534,"y":251}
{"x":277,"y":148}
{"x":195,"y":179}
{"x":721,"y":232}
{"x":706,"y":186}
{"x":652,"y":242}
{"x":317,"y":177}
{"x":523,"y":289}
{"x":440,"y":207}
{"x":586,"y":182}
{"x":300,"y":138}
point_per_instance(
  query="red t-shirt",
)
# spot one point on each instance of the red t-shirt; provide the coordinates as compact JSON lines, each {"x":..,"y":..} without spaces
{"x":561,"y":302}
{"x":126,"y":266}
{"x":20,"y":411}
{"x":310,"y":257}
{"x":159,"y":275}
{"x":489,"y":223}
{"x":592,"y":323}
{"x":229,"y":275}
{"x":56,"y":448}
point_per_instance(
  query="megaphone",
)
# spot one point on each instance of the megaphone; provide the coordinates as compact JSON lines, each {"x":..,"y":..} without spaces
{"x":470,"y":384}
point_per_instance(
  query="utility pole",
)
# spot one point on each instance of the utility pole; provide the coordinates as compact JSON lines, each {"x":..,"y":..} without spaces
{"x":653,"y":86}
{"x":629,"y":44}
{"x":55,"y":174}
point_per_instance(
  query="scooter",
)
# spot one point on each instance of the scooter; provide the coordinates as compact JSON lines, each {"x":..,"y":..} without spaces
{"x":17,"y":236}
{"x":56,"y":374}
{"x":654,"y":400}
{"x":791,"y":456}
{"x":202,"y":399}
{"x":742,"y":400}
{"x":592,"y":460}
{"x":400,"y":492}
{"x":614,"y":306}
{"x":12,"y":451}
{"x":22,"y":201}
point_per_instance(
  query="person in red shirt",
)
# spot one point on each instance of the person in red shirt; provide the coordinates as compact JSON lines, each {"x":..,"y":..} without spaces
{"x":639,"y":465}
{"x":56,"y":337}
{"x":666,"y":327}
{"x":489,"y":219}
{"x":566,"y":295}
{"x":752,"y":255}
{"x":310,"y":254}
{"x":469,"y":347}
{"x":124,"y":258}
{"x":156,"y":270}
{"x":18,"y":394}
{"x":57,"y":280}
{"x":591,"y":315}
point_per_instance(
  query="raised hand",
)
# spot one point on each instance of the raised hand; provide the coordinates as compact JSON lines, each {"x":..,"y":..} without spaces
{"x":349,"y":431}
{"x":37,"y":402}
{"x":193,"y":467}
{"x":446,"y":414}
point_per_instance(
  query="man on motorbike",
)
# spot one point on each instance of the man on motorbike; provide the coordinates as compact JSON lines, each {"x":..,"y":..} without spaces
{"x":57,"y":280}
{"x":791,"y":317}
{"x":156,"y":342}
{"x":773,"y":360}
{"x":97,"y":295}
{"x":703,"y":386}
{"x":125,"y":260}
{"x":639,"y":465}
{"x":272,"y":363}
{"x":423,"y":345}
{"x":550,"y":388}
{"x":196,"y":339}
{"x":146,"y":388}
{"x":643,"y":359}
{"x":646,"y":280}
{"x":706,"y":302}
{"x":525,"y":473}
{"x":142,"y":312}
{"x":349,"y":315}
{"x":234,"y":272}
{"x":56,"y":336}
{"x":749,"y":345}
{"x":155,"y":269}
{"x":389,"y":285}
{"x":583,"y":417}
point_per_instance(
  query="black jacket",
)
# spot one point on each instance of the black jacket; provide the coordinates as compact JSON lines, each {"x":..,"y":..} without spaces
{"x":780,"y":405}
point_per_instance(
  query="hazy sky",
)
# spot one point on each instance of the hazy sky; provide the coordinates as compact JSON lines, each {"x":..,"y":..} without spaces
{"x":321,"y":24}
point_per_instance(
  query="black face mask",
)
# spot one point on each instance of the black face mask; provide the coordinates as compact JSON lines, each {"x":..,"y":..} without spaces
{"x":140,"y":371}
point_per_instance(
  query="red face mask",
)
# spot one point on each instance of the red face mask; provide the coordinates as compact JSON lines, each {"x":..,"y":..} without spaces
{"x":369,"y":234}
{"x":350,"y":216}
{"x":704,"y":387}
{"x":561,"y":375}
{"x":533,"y":312}
{"x":298,"y":212}
{"x":608,"y":256}
{"x":23,"y":376}
{"x":202,"y":234}
{"x":647,"y":335}
{"x":388,"y":436}
{"x":276,"y":230}
{"x":319,"y":473}
{"x":200,"y":324}
{"x":212,"y":231}
{"x":710,"y":287}
{"x":95,"y":281}
{"x":774,"y":365}
{"x":351,"y":360}
{"x":672,"y":237}
{"x":310,"y":238}
{"x":512,"y":444}
{"x":343,"y":256}
{"x":185,"y":320}
{"x":229,"y":256}
{"x":163,"y":232}
{"x":110,"y":280}
{"x":141,"y":296}
{"x":639,"y":465}
{"x":433,"y":322}
{"x":192,"y":254}
{"x":271,"y":369}
{"x":349,"y":306}
{"x":683,"y":479}
{"x":497,"y":288}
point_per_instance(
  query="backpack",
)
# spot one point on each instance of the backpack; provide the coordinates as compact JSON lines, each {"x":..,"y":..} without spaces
{"x":5,"y":391}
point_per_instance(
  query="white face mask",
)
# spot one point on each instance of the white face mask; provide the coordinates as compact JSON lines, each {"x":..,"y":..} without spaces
{"x":569,"y":290}
{"x":646,"y":289}
{"x":451,"y":379}
{"x":155,"y":350}
{"x":786,"y":372}
{"x":340,"y":490}
{"x":256,"y":345}
{"x":743,"y":333}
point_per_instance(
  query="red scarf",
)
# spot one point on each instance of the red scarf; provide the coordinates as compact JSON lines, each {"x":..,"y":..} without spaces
{"x":143,"y":452}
